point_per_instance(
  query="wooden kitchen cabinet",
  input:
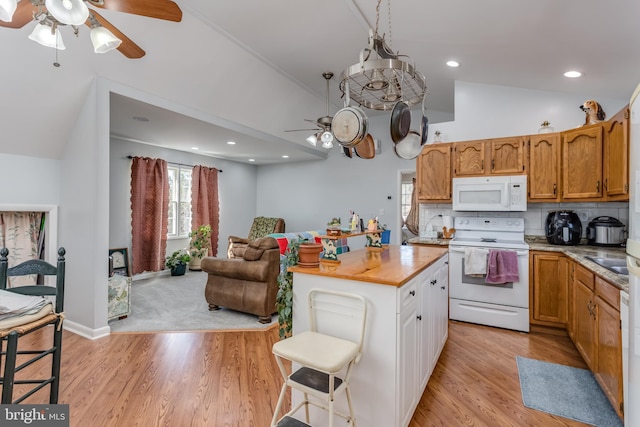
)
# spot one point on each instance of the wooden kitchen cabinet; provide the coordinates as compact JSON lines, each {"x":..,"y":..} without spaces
{"x":544,"y":168}
{"x":584,"y":315}
{"x":500,"y":156}
{"x":468,"y":158}
{"x":507,"y":156}
{"x":582,"y":163}
{"x":550,"y":288}
{"x":434,"y":174}
{"x":616,"y":156}
{"x":608,"y":369}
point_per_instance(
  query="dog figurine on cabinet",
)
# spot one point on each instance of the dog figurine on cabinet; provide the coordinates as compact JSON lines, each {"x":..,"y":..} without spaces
{"x":593,"y":111}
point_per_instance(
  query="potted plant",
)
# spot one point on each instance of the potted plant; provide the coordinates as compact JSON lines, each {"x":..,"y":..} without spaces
{"x":199,"y":246}
{"x":284,"y":297}
{"x":309,"y":253}
{"x":178,"y":261}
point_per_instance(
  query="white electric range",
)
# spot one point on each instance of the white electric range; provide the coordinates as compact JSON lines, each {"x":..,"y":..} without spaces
{"x":473,"y":300}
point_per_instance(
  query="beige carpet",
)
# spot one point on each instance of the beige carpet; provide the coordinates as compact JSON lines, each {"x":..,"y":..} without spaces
{"x":177,"y":303}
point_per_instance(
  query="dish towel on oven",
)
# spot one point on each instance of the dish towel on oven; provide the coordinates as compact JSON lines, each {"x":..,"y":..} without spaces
{"x":502,"y":267}
{"x":475,"y":261}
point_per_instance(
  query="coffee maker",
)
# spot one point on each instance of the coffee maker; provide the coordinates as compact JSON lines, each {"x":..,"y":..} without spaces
{"x":563,"y":228}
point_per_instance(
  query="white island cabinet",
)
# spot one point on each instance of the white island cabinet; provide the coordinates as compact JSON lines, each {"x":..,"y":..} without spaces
{"x":406,"y":289}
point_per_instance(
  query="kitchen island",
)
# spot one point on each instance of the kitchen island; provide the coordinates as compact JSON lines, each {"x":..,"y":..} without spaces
{"x":406,"y":289}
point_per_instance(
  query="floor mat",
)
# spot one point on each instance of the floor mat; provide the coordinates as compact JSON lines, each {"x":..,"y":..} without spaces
{"x":565,"y":391}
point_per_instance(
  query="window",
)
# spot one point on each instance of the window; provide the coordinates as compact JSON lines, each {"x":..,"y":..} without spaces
{"x":407,"y":189}
{"x":179,"y":201}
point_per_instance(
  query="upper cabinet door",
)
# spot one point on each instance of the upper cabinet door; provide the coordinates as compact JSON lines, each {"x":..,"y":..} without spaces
{"x":434,"y":173}
{"x":544,"y":167}
{"x":616,"y":156}
{"x":508,"y":156}
{"x":469,"y":158}
{"x":582,"y":163}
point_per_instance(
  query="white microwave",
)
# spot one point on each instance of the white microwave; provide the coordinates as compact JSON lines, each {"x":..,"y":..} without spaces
{"x":490,"y":193}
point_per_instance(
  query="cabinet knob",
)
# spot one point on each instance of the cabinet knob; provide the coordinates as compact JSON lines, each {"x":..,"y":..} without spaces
{"x":419,"y":317}
{"x":412,"y":293}
{"x":443,"y":287}
{"x":433,"y":282}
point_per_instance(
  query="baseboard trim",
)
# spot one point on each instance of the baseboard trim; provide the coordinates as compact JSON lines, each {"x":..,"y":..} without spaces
{"x":83,"y":331}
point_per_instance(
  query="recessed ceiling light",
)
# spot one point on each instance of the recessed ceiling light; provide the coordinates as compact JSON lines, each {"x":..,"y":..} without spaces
{"x":140,"y":119}
{"x":572,"y":74}
{"x":252,"y":160}
{"x":231,"y":142}
{"x":285,"y":156}
{"x":195,"y":148}
{"x":453,"y":64}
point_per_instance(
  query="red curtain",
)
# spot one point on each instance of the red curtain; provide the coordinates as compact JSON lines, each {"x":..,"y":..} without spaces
{"x":205,"y":207}
{"x":149,"y":213}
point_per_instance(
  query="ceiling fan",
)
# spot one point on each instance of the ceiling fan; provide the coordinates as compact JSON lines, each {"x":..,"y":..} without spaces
{"x":41,"y":11}
{"x":323,"y":124}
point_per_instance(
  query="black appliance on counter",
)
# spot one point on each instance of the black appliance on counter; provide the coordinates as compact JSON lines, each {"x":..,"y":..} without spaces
{"x":606,"y":231}
{"x":563,"y":228}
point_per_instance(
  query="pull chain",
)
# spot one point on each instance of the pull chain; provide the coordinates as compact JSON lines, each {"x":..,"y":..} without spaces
{"x":377,"y":16}
{"x":389,"y":14}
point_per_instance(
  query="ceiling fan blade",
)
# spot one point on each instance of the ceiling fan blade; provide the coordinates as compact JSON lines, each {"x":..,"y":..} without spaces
{"x":22,"y":16}
{"x":159,"y":9}
{"x":128,"y":48}
{"x":301,"y":130}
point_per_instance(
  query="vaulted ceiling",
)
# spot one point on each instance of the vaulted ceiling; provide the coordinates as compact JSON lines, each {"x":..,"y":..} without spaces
{"x":521,"y":44}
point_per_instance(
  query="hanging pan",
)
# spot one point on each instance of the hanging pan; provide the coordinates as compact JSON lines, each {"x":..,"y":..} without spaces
{"x":410,"y":146}
{"x":349,"y":125}
{"x":366,"y":149}
{"x":400,"y":121}
{"x":424,"y":127}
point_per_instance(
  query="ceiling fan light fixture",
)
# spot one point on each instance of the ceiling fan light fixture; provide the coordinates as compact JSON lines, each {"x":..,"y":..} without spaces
{"x":69,"y":12}
{"x":47,"y":35}
{"x":327,"y":139}
{"x":312,"y":139}
{"x":103,"y":40}
{"x":7,"y":9}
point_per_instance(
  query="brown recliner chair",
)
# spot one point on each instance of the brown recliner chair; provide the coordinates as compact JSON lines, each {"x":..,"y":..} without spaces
{"x":261,"y":227}
{"x":248,"y":284}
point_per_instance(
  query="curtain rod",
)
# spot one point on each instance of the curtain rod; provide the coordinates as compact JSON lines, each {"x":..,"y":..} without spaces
{"x":174,"y":163}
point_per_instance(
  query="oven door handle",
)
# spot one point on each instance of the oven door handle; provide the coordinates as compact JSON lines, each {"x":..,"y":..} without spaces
{"x":461,"y":250}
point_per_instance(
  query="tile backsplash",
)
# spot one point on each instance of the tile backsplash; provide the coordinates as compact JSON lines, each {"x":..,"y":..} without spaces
{"x":534,"y":217}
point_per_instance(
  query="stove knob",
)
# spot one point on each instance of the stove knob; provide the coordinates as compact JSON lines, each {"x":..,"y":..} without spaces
{"x":509,"y":223}
{"x":517,"y":223}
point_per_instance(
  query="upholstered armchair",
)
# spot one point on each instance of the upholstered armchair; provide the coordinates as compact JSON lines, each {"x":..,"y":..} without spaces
{"x":248,"y":284}
{"x":261,"y":227}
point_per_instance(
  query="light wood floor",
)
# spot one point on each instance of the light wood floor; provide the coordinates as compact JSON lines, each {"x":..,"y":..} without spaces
{"x":231,"y":379}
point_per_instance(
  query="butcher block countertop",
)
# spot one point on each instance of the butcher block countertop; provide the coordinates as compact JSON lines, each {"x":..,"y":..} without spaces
{"x":393,"y":265}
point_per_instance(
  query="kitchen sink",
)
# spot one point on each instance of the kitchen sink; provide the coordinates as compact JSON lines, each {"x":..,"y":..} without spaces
{"x":617,"y":265}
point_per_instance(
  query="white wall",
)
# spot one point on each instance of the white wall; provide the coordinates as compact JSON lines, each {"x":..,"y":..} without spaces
{"x":307,"y":195}
{"x":490,"y":111}
{"x":29,"y":180}
{"x":236,"y":186}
